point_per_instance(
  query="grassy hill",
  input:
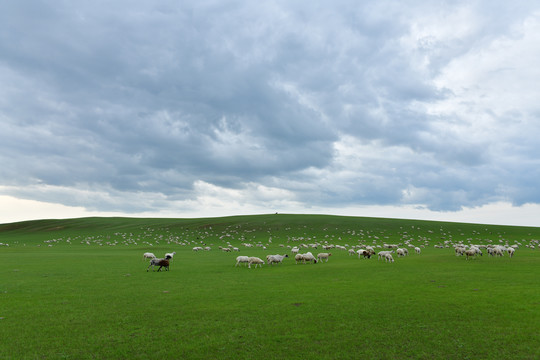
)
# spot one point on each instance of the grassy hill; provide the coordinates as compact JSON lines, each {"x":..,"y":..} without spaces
{"x":260,"y":227}
{"x":79,"y":289}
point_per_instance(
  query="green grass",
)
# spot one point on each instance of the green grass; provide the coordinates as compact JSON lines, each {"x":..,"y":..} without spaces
{"x":87,"y":299}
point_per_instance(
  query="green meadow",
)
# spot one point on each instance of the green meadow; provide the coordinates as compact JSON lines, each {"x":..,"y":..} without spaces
{"x":79,"y":289}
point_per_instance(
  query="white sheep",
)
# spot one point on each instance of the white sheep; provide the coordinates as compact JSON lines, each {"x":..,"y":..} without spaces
{"x":271,"y":259}
{"x":511,"y":251}
{"x":305,"y":257}
{"x":388,"y":257}
{"x":400,"y":252}
{"x":472,"y":252}
{"x":295,"y":250}
{"x":255,"y":260}
{"x":148,"y":255}
{"x":197,"y":248}
{"x":242,"y":259}
{"x":460,"y":250}
{"x":323,"y":256}
{"x":169,"y":256}
{"x":382,"y":254}
{"x":417,"y":250}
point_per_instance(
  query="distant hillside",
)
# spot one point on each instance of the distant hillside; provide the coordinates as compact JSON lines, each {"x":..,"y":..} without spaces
{"x":278,"y":226}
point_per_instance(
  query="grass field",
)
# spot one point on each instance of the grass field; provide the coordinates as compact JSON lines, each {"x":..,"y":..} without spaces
{"x":79,"y":289}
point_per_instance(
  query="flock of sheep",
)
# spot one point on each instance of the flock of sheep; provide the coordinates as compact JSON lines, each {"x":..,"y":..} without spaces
{"x":472,"y":251}
{"x":365,"y":252}
{"x":300,"y":258}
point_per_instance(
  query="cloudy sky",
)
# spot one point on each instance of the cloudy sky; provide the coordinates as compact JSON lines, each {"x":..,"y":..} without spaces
{"x":408,"y":109}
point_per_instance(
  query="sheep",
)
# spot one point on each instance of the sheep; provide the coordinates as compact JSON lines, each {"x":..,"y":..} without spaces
{"x":322,"y":256}
{"x":169,"y":256}
{"x":388,"y":257}
{"x":197,"y":248}
{"x":382,"y":254}
{"x":148,"y":255}
{"x":365,"y":253}
{"x":242,"y":259}
{"x":511,"y":251}
{"x":295,"y":250}
{"x":255,"y":260}
{"x":271,"y":259}
{"x":305,"y":257}
{"x":351,"y":252}
{"x":158,"y":262}
{"x":460,"y":250}
{"x":309,"y":257}
{"x":472,"y":252}
{"x":417,"y":250}
{"x":497,"y":251}
{"x":400,"y":252}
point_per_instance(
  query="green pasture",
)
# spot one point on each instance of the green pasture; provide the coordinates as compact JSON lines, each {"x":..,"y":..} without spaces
{"x":79,"y":289}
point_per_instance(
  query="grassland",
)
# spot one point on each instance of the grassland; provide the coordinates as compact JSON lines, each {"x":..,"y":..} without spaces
{"x":78,"y":289}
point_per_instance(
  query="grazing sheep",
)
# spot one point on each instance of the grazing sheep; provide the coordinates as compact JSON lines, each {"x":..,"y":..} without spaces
{"x":255,"y":260}
{"x":295,"y":250}
{"x":158,"y":262}
{"x":242,"y":259}
{"x":400,"y":252}
{"x":511,"y":251}
{"x":197,"y":248}
{"x":364,"y":253}
{"x":271,"y":259}
{"x":497,"y":250}
{"x":322,"y":256}
{"x":382,"y":254}
{"x":472,"y":252}
{"x":352,"y":252}
{"x":148,"y":255}
{"x":460,"y":250}
{"x":305,"y":257}
{"x":169,"y":256}
{"x":417,"y":250}
{"x":388,"y":257}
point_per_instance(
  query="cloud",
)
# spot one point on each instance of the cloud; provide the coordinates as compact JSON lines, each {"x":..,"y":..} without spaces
{"x":140,"y":107}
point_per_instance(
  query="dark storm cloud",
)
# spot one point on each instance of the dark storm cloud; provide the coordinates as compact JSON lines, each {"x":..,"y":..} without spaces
{"x":150,"y":99}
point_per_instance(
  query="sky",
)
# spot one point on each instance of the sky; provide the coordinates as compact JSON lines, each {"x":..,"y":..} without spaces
{"x":407,"y":109}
